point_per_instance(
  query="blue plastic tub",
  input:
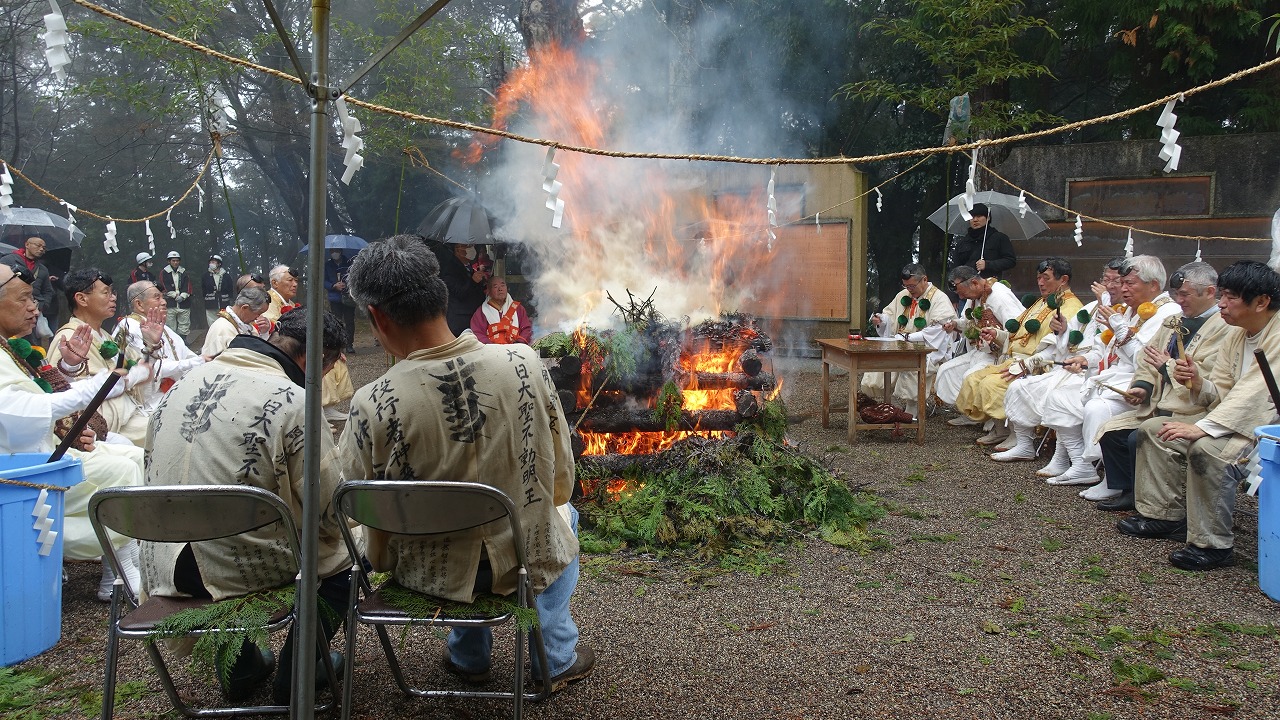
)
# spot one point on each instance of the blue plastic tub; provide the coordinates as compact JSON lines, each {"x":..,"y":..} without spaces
{"x":1269,"y":511}
{"x":31,"y":562}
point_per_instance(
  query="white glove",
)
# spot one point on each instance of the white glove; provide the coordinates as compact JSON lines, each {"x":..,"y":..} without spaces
{"x":172,"y":294}
{"x":182,"y":297}
{"x":77,"y":396}
{"x":139,"y":373}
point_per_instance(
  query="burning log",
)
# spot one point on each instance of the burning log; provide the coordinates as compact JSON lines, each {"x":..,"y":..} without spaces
{"x":615,"y":464}
{"x":618,"y":419}
{"x":568,"y":399}
{"x":746,"y":403}
{"x":750,"y":362}
{"x":733,"y":381}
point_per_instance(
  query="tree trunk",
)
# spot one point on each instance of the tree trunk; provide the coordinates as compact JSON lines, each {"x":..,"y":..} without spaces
{"x":547,"y":22}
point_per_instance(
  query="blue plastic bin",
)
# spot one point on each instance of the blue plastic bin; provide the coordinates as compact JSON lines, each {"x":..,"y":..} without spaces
{"x":1269,"y":511}
{"x":31,"y":591}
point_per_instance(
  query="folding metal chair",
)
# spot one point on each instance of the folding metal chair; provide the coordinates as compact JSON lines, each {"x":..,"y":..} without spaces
{"x":425,"y":508}
{"x":183,"y":514}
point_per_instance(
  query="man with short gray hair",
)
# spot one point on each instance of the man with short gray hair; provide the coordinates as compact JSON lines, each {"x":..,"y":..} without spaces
{"x":243,"y":317}
{"x":453,"y":408}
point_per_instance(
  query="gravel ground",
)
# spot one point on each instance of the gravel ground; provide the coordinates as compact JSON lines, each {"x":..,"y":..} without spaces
{"x":990,"y":595}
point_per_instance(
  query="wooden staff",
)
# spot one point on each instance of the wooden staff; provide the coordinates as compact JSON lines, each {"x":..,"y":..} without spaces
{"x":1123,"y":393}
{"x":81,"y":422}
{"x":1270,"y":379}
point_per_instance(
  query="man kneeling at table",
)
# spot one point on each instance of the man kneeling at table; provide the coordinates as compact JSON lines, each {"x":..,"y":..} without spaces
{"x":453,"y":408}
{"x":239,"y":420}
{"x":917,"y":314}
{"x":1188,"y":471}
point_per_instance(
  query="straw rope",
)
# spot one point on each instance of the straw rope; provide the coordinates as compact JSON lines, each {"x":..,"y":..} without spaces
{"x":586,"y":150}
{"x":37,"y":486}
{"x":1069,"y":211}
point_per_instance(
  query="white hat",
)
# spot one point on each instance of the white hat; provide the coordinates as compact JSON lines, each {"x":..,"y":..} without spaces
{"x":143,"y":257}
{"x":173,"y":254}
{"x":216,"y":257}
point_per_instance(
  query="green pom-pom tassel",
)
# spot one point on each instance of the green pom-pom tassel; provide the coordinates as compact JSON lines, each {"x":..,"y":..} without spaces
{"x":128,"y":364}
{"x":920,"y":323}
{"x":1075,"y":337}
{"x":968,"y":313}
{"x":1012,"y":325}
{"x":21,"y":347}
{"x":906,"y":301}
{"x":1052,"y":301}
{"x":1033,"y":326}
{"x":44,"y":384}
{"x":1083,"y":317}
{"x":924,"y":304}
{"x":902,"y":319}
{"x":108,"y":349}
{"x":1006,"y":284}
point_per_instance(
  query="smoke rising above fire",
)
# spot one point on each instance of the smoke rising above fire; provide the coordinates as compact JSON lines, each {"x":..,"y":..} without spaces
{"x":666,"y":227}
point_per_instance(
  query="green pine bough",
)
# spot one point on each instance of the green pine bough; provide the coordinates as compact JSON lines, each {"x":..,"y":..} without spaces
{"x":710,"y":497}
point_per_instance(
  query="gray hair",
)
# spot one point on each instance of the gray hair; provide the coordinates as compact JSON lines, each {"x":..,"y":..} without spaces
{"x":914,"y":271}
{"x":278,"y":272}
{"x":1148,"y":267}
{"x":401,"y":277}
{"x":255,"y":297}
{"x":1200,"y":274}
{"x":136,"y":290}
{"x":961,"y":274}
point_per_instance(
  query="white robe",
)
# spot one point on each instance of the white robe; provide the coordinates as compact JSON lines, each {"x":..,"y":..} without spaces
{"x":1024,"y":401}
{"x":905,"y":384}
{"x":222,"y":330}
{"x":1006,"y":306}
{"x":27,"y":414}
{"x":173,"y":360}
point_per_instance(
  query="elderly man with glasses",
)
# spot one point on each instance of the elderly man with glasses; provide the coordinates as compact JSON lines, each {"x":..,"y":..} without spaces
{"x":28,"y":257}
{"x":919,"y":313}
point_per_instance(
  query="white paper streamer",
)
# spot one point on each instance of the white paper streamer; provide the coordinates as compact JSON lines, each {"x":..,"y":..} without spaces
{"x":55,"y":41}
{"x":6,"y":187}
{"x":219,"y":110}
{"x":43,"y":523}
{"x":1128,"y":245}
{"x":168,"y":220}
{"x":151,"y":238}
{"x":772,"y":204}
{"x":109,"y":244}
{"x":200,"y":196}
{"x":1170,"y":150}
{"x":970,"y":189}
{"x":1198,"y":252}
{"x":352,"y":143}
{"x":817,"y":223}
{"x":1254,"y":469}
{"x":551,"y":187}
{"x":1022,"y":203}
{"x":879,"y":201}
{"x":71,"y":220}
{"x":1079,"y":235}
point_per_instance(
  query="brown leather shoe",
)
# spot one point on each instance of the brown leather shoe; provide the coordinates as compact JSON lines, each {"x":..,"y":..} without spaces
{"x":583,"y":663}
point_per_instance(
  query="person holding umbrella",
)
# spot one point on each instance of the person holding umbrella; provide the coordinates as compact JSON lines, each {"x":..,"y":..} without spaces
{"x":336,"y":267}
{"x":983,"y":247}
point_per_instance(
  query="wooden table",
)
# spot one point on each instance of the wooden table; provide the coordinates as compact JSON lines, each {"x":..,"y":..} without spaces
{"x":861,"y":356}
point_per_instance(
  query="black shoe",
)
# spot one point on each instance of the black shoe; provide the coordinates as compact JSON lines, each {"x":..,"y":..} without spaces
{"x":1194,"y":557}
{"x":471,"y":678}
{"x":250,"y":669}
{"x":282,"y":688}
{"x":1145,"y":527}
{"x":1120,"y":503}
{"x":350,"y":350}
{"x":584,"y":662}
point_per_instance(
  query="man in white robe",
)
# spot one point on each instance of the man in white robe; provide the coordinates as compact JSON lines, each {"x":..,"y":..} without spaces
{"x":979,"y":294}
{"x":242,"y":317}
{"x":162,"y":347}
{"x":1024,"y":402}
{"x":1188,"y":472}
{"x":917,"y":314}
{"x":27,"y":417}
{"x":1077,"y":418}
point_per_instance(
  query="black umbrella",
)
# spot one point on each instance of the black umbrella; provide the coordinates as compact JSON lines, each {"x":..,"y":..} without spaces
{"x":460,"y":221}
{"x":19,"y":223}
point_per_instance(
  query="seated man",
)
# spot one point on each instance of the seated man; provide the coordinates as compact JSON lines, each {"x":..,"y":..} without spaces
{"x":29,"y":412}
{"x":92,"y":302}
{"x":982,"y":393}
{"x":1197,"y":335}
{"x":919,"y":313}
{"x":242,"y":317}
{"x":147,"y":333}
{"x":457,"y":409}
{"x":1186,"y":471}
{"x":239,"y":419}
{"x":501,"y":320}
{"x":988,"y":306}
{"x":1077,"y":417}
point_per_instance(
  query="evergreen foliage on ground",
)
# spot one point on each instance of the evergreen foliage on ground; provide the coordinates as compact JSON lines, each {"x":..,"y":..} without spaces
{"x":708,"y":497}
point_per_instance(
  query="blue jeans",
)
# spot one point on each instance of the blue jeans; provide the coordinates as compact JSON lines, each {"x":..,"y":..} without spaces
{"x":469,"y":648}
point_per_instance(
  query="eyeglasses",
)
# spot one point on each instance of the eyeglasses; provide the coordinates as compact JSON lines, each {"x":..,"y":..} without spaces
{"x":22,"y":274}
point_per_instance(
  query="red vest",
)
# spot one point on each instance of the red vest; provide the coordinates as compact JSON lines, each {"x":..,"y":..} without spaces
{"x":507,"y":330}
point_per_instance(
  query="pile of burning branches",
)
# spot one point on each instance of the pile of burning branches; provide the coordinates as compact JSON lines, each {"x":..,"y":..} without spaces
{"x":681,"y":440}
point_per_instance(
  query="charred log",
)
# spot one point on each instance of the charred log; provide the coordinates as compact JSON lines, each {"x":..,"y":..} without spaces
{"x":620,"y":419}
{"x":734,"y":381}
{"x":750,"y":362}
{"x":568,"y":400}
{"x":615,"y":464}
{"x":746,"y":403}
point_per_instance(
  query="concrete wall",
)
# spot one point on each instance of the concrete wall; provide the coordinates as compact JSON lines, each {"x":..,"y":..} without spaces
{"x":1224,"y":186}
